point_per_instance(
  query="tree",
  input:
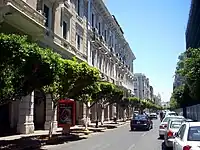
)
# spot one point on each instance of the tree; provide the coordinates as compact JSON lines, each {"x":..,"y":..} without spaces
{"x":24,"y":67}
{"x":70,"y":78}
{"x":124,"y":104}
{"x":189,"y":68}
{"x":85,"y":97}
{"x":107,"y":95}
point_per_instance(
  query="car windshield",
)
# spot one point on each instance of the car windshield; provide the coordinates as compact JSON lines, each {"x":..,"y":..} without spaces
{"x":175,"y":124}
{"x":170,"y":117}
{"x":172,"y":114}
{"x":194,"y":133}
{"x":140,"y":117}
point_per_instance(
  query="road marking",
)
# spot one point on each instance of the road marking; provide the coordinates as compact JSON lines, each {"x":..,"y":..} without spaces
{"x":96,"y":147}
{"x":131,"y":147}
{"x":144,"y":134}
{"x":105,"y":146}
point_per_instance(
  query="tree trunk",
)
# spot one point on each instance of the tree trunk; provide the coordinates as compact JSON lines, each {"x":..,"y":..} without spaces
{"x":124,"y":114}
{"x":51,"y":126}
{"x":102,"y":115}
{"x":86,"y":117}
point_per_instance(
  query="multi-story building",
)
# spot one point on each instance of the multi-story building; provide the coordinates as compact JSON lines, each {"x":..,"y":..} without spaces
{"x":108,"y":49}
{"x":80,"y":28}
{"x":141,"y":86}
{"x":151,"y":93}
{"x":192,"y":31}
{"x":157,"y":99}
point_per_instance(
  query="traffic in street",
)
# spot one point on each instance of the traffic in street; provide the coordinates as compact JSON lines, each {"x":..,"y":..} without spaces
{"x":121,"y":138}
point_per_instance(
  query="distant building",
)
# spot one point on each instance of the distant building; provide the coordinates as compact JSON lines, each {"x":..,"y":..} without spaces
{"x":151,"y":93}
{"x":157,"y":99}
{"x":142,"y":86}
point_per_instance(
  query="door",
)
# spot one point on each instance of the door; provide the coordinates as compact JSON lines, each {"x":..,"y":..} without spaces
{"x":179,"y":143}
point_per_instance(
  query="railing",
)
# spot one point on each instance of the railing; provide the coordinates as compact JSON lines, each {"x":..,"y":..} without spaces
{"x":27,"y":9}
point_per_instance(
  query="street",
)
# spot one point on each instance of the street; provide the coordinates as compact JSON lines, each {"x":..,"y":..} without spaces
{"x":118,"y":139}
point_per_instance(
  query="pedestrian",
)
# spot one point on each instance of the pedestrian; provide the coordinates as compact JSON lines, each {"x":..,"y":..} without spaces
{"x":161,"y":116}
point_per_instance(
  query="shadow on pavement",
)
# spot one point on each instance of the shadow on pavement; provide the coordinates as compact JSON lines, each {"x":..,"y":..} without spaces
{"x":22,"y":143}
{"x":35,"y":142}
{"x":159,"y":138}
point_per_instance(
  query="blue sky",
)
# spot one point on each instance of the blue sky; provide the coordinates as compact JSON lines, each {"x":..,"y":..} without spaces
{"x":155,"y":30}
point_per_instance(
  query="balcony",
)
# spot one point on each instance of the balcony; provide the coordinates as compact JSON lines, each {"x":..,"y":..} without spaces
{"x":63,"y":46}
{"x":22,"y":16}
{"x":66,"y":9}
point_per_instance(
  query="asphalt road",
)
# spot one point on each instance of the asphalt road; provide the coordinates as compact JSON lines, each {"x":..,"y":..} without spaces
{"x":118,"y":139}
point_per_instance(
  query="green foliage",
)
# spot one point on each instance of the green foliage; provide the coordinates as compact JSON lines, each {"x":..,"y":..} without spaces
{"x":24,"y":67}
{"x":108,"y":94}
{"x":85,"y":95}
{"x":173,"y":103}
{"x":190,"y":70}
{"x":134,"y":102}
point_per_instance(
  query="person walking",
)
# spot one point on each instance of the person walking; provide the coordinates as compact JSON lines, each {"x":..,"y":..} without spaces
{"x":161,"y":116}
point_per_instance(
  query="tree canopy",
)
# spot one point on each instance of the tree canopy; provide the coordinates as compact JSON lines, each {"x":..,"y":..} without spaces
{"x":24,"y":66}
{"x":188,"y":67}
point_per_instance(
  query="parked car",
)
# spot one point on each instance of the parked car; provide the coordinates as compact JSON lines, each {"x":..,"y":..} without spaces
{"x":187,"y":137}
{"x":171,"y":113}
{"x":141,"y":122}
{"x":172,"y":127}
{"x":153,"y":116}
{"x":163,"y":124}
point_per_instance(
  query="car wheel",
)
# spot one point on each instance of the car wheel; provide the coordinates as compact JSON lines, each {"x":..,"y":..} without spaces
{"x":132,"y":129}
{"x":161,"y":136}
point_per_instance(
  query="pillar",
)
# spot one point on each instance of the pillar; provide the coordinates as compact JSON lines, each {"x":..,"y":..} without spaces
{"x":49,"y":109}
{"x":25,"y":123}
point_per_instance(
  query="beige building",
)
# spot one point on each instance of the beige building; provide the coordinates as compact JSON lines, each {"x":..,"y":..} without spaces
{"x":108,"y":50}
{"x":142,"y":87}
{"x":68,"y":27}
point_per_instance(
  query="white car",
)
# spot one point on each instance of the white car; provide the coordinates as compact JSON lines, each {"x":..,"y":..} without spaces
{"x":172,"y":127}
{"x":187,"y":137}
{"x":171,"y":113}
{"x":163,"y":124}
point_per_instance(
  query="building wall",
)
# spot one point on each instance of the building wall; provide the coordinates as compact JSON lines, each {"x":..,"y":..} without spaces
{"x":142,"y":86}
{"x":65,"y":26}
{"x":192,"y":31}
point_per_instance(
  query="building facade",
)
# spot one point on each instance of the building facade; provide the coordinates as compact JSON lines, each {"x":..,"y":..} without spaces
{"x":192,"y":32}
{"x":151,"y":94}
{"x":142,"y":88}
{"x":81,"y":28}
{"x":109,"y":51}
{"x":157,"y":99}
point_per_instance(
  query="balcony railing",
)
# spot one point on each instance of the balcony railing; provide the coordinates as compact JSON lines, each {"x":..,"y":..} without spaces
{"x":26,"y":9}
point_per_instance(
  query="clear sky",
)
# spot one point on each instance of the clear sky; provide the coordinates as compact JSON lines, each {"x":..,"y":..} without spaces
{"x":155,"y":30}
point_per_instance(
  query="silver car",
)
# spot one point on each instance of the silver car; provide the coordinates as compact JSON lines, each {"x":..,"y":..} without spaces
{"x":163,"y":124}
{"x":172,"y":127}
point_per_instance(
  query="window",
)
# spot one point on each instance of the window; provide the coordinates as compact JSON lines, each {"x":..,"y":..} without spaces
{"x":64,"y":30}
{"x":181,"y":131}
{"x":194,"y":133}
{"x":78,"y":7}
{"x":105,"y":35}
{"x":78,"y":41}
{"x":99,"y":31}
{"x":93,"y":57}
{"x":46,"y":13}
{"x":92,"y":20}
{"x":175,"y":124}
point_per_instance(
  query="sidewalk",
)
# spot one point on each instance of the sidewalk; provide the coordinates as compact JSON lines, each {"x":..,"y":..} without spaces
{"x":40,"y":138}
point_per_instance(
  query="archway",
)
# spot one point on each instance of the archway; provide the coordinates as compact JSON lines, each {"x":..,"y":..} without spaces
{"x":39,"y":109}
